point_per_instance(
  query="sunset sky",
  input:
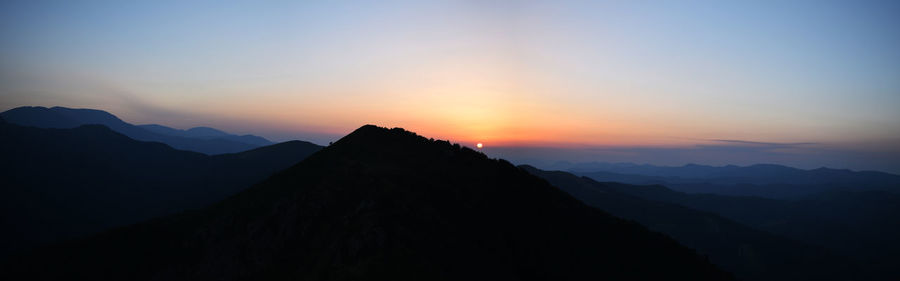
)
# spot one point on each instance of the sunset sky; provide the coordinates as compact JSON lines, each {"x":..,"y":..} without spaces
{"x":811,"y":82}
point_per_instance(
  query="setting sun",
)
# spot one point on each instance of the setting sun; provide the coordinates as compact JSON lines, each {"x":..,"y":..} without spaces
{"x":479,"y":145}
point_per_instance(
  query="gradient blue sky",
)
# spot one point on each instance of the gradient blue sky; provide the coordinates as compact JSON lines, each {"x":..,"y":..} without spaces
{"x":573,"y":75}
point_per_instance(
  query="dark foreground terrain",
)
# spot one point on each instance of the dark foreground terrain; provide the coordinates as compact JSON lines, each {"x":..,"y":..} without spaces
{"x":750,"y":253}
{"x":61,"y":184}
{"x":387,"y":205}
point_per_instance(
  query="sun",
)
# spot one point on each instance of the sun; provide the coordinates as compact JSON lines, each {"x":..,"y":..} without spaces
{"x":479,"y":145}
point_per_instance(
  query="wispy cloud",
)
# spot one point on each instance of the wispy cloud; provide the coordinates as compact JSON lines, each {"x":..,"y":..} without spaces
{"x":760,"y":143}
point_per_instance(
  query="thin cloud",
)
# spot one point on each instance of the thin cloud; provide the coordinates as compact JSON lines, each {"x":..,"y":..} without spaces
{"x":759,"y":143}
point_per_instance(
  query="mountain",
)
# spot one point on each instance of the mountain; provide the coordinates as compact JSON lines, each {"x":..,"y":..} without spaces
{"x":762,"y":180}
{"x":65,"y":118}
{"x":862,"y":225}
{"x":749,"y":253}
{"x":381,"y":204}
{"x":65,"y":183}
{"x":205,"y":133}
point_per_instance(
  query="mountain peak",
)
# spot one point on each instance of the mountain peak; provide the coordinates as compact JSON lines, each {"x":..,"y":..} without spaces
{"x":380,"y":136}
{"x":397,"y":144}
{"x":373,"y":131}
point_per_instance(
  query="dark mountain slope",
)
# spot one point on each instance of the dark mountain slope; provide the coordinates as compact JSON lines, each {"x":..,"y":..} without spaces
{"x":861,"y":225}
{"x":63,"y":183}
{"x":383,"y":204}
{"x":751,"y":254}
{"x":66,"y":118}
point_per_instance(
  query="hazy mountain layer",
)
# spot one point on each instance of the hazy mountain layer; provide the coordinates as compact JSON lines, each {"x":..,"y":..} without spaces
{"x":205,"y":133}
{"x":762,"y":180}
{"x":203,"y":140}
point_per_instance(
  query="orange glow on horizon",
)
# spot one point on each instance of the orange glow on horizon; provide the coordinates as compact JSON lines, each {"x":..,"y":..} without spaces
{"x":474,"y":99}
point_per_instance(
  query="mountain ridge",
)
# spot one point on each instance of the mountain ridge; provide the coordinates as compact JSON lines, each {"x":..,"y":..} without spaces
{"x":62,"y":118}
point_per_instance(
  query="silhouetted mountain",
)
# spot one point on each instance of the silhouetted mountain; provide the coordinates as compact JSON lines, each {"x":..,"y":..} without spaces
{"x":60,"y":117}
{"x":862,"y":225}
{"x":763,"y":180}
{"x":64,"y":118}
{"x":64,"y":183}
{"x":205,"y":133}
{"x":382,"y":204}
{"x":749,"y":253}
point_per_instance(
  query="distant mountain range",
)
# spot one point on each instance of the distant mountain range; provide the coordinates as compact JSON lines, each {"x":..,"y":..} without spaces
{"x":380,"y":204}
{"x":763,"y":180}
{"x":64,"y":183}
{"x":750,"y":253}
{"x":862,"y":224}
{"x":201,"y":139}
{"x":206,"y":133}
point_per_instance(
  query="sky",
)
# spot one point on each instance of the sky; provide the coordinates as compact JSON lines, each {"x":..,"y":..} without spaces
{"x":803,"y":83}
